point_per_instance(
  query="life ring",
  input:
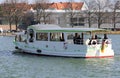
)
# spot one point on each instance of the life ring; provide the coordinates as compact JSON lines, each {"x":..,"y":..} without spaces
{"x":94,"y":42}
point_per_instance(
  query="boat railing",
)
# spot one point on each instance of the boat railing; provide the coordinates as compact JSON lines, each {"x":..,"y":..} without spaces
{"x":77,"y":41}
{"x":98,"y":41}
{"x":89,"y":41}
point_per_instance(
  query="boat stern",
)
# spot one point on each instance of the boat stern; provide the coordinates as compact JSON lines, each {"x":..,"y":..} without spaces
{"x":94,"y":51}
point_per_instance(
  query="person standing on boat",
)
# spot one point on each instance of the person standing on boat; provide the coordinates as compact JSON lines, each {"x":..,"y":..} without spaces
{"x":105,"y":37}
{"x":78,"y":40}
{"x":104,"y":42}
{"x":62,"y":37}
{"x":82,"y":38}
{"x":93,"y":40}
{"x":75,"y":38}
{"x":97,"y":38}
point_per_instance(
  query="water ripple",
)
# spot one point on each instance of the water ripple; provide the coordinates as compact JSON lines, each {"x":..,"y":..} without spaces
{"x":20,"y":65}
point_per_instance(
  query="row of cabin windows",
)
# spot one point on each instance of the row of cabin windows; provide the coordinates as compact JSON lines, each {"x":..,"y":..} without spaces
{"x":44,"y":37}
{"x":59,"y":37}
{"x":41,"y":37}
{"x":53,"y":37}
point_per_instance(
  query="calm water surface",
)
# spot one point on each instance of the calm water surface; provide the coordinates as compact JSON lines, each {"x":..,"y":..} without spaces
{"x":20,"y":65}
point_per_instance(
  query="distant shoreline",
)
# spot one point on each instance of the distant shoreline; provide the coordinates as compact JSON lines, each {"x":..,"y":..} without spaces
{"x":7,"y":27}
{"x":13,"y":27}
{"x":109,"y":32}
{"x":7,"y":34}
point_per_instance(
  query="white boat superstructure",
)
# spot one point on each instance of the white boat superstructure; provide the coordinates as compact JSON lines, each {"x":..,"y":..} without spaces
{"x":70,"y":42}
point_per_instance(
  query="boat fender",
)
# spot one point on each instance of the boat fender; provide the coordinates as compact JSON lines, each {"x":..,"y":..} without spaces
{"x":93,"y":42}
{"x":39,"y":51}
{"x":107,"y":42}
{"x":87,"y":41}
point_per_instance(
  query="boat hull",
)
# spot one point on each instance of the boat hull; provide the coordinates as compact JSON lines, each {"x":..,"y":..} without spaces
{"x":68,"y":51}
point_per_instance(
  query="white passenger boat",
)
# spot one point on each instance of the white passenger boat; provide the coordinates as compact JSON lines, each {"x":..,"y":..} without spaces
{"x":69,"y":42}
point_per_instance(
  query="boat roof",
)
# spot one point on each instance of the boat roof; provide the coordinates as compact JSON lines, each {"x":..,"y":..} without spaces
{"x":56,"y":28}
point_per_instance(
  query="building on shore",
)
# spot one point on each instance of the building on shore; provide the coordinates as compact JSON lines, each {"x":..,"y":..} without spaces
{"x":75,"y":14}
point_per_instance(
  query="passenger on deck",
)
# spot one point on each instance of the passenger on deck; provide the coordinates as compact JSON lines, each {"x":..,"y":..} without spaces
{"x":105,"y":38}
{"x":93,"y":40}
{"x":77,"y":39}
{"x":97,"y":39}
{"x":62,"y":37}
{"x":82,"y":37}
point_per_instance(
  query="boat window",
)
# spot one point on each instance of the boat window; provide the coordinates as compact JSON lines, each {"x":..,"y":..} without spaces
{"x":70,"y":36}
{"x":42,"y":36}
{"x":56,"y":36}
{"x":75,"y":38}
{"x":20,"y":38}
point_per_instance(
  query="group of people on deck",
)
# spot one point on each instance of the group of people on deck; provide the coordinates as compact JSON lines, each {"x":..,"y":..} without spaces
{"x":77,"y":39}
{"x":95,"y":39}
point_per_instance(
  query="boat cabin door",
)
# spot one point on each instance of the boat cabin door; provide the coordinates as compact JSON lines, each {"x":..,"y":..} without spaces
{"x":31,"y":35}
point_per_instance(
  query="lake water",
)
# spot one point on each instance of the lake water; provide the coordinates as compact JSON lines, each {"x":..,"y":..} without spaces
{"x":20,"y":65}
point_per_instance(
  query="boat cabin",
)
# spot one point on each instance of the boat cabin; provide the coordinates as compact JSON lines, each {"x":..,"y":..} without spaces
{"x":54,"y":33}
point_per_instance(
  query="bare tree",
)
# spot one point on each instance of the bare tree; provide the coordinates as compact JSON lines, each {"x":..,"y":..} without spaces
{"x":27,"y":20}
{"x":71,"y":12}
{"x":100,"y":12}
{"x":18,"y":12}
{"x":13,"y":11}
{"x":90,"y":11}
{"x":1,"y":14}
{"x":74,"y":13}
{"x":41,"y":15}
{"x":115,"y":14}
{"x":7,"y":10}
